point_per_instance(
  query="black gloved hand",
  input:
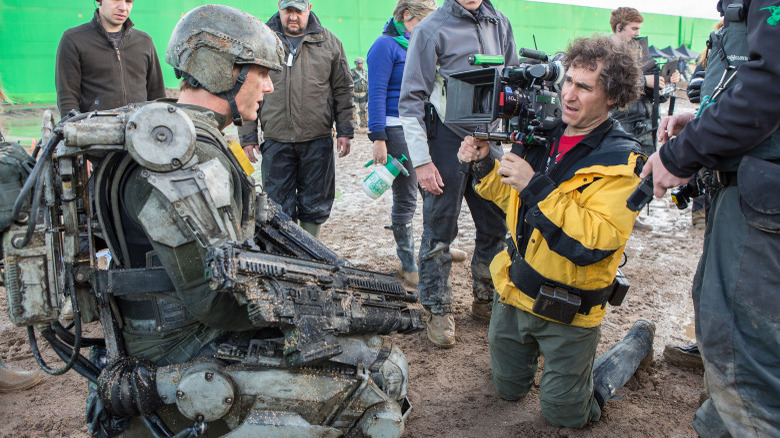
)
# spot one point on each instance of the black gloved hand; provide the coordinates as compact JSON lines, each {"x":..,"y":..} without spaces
{"x":128,"y":387}
{"x":694,"y":87}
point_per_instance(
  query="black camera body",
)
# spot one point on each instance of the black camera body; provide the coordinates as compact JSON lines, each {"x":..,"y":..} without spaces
{"x":523,"y":97}
{"x":696,"y":187}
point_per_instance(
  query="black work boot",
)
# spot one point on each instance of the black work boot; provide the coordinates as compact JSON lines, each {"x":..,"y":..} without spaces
{"x":404,"y":247}
{"x":612,"y":369}
{"x":482,"y":287}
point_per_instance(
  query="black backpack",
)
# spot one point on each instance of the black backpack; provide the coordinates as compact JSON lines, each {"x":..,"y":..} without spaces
{"x":15,"y":166}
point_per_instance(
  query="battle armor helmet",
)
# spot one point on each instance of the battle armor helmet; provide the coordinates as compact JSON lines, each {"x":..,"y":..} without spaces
{"x":209,"y":40}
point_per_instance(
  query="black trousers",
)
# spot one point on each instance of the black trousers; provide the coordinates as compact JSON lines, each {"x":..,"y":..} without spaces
{"x":301,"y":177}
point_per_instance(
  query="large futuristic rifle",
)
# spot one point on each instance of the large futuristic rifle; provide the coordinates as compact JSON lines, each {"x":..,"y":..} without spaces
{"x":311,"y":301}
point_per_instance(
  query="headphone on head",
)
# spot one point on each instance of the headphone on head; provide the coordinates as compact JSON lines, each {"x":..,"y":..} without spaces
{"x":620,"y":28}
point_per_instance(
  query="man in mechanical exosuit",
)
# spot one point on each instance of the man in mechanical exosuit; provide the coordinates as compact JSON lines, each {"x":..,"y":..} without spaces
{"x":200,"y":334}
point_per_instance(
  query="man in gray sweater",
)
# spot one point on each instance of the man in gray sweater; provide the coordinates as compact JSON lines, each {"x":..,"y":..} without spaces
{"x":440,"y":46}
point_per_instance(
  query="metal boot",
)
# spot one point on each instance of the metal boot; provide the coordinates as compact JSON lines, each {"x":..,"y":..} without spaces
{"x":612,"y":369}
{"x":404,"y":247}
{"x":12,"y":380}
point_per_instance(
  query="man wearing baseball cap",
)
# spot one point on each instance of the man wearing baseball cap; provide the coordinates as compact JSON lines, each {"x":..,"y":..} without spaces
{"x":313,"y":90}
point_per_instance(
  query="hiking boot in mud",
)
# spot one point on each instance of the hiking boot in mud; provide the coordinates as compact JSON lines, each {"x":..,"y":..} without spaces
{"x":640,"y":225}
{"x":482,"y":310}
{"x":699,"y":219}
{"x":458,"y":255}
{"x":612,"y":369}
{"x":441,"y":330}
{"x":684,"y":356}
{"x":12,"y":380}
{"x":409,"y":278}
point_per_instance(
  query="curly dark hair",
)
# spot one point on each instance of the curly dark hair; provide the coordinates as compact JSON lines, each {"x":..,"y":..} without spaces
{"x":624,"y":16}
{"x":621,"y":75}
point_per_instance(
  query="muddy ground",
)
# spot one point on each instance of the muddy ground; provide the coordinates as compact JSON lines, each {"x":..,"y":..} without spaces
{"x":450,"y":390}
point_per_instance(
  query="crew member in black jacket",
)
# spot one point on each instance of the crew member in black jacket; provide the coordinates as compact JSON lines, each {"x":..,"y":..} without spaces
{"x":735,"y":288}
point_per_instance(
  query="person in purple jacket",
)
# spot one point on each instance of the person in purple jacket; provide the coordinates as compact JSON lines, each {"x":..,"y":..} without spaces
{"x":387,"y":57}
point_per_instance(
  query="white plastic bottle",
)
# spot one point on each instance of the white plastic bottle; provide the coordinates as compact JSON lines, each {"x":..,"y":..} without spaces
{"x":382,"y":178}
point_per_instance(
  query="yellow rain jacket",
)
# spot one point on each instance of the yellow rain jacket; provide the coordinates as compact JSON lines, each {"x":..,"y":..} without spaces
{"x":576,"y":220}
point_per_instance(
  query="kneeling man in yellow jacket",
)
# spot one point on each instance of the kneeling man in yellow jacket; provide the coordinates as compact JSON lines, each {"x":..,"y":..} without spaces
{"x":565,"y":208}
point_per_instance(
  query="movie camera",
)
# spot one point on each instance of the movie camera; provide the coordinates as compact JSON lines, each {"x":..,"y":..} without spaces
{"x":523,"y":97}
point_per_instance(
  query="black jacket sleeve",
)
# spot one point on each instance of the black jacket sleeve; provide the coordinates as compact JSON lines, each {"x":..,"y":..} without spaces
{"x":67,"y":75}
{"x":247,"y":132}
{"x":746,"y":114}
{"x":155,"y":86}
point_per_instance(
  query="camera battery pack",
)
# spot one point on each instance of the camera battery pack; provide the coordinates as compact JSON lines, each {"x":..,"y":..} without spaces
{"x":557,"y":303}
{"x":621,"y":289}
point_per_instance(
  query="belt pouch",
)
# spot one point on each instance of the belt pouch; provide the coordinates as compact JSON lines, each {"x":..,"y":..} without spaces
{"x":758,"y":183}
{"x":620,"y":290}
{"x":557,"y":303}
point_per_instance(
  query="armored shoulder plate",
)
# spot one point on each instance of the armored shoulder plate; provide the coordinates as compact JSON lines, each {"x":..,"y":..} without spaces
{"x":160,"y":137}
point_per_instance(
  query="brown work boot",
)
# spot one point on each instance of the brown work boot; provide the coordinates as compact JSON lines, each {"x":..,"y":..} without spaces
{"x":12,"y":380}
{"x":699,"y":219}
{"x":684,"y":356}
{"x":441,"y":330}
{"x":458,"y":255}
{"x":641,"y":225}
{"x":410,"y":278}
{"x":482,"y":309}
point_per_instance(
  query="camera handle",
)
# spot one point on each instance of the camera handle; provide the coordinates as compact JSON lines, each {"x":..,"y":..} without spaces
{"x":642,"y":195}
{"x":516,"y":137}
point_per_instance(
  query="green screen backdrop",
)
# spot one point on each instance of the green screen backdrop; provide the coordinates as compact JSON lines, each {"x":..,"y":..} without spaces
{"x":30,"y":31}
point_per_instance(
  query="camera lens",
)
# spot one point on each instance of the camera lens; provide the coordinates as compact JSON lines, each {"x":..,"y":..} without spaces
{"x":511,"y":102}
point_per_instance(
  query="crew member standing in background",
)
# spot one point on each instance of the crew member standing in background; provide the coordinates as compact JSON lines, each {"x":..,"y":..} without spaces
{"x":313,"y":90}
{"x":735,"y":289}
{"x":12,"y":180}
{"x":388,"y":57}
{"x":639,"y":118}
{"x":360,"y":92}
{"x":440,"y":46}
{"x":106,"y":63}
